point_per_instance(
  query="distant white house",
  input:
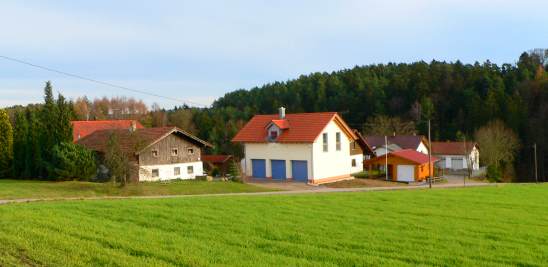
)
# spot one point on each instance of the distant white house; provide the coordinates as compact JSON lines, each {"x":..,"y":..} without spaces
{"x":394,"y":143}
{"x":455,"y":156}
{"x":309,"y":147}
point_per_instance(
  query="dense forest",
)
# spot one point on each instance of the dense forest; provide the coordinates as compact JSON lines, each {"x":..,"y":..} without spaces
{"x":457,"y":98}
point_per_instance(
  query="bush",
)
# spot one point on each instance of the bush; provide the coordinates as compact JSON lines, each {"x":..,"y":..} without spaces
{"x":494,"y":174}
{"x":362,"y":174}
{"x":234,"y":172}
{"x":71,"y":161}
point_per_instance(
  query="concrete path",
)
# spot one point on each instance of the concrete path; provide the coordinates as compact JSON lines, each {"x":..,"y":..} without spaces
{"x":316,"y":189}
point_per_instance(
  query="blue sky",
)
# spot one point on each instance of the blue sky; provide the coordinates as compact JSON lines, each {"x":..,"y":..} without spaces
{"x":199,"y":50}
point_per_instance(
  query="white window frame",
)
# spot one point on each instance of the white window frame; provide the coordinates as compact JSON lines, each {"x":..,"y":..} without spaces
{"x":177,"y":171}
{"x":157,"y":171}
{"x":190,"y":169}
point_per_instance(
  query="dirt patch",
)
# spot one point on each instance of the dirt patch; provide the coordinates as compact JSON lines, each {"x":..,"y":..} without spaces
{"x":359,"y":182}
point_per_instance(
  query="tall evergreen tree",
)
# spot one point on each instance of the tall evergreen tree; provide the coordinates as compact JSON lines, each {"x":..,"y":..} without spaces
{"x":34,"y":153}
{"x":6,"y":145}
{"x":63,"y":126}
{"x":20,"y":143}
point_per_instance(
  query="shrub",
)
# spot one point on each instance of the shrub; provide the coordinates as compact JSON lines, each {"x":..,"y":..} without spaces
{"x":494,"y":174}
{"x":362,"y":174}
{"x":71,"y":161}
{"x":234,"y":172}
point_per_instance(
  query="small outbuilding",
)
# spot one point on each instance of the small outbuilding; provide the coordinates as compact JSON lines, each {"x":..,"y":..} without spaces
{"x":406,"y":165}
{"x":219,"y":162}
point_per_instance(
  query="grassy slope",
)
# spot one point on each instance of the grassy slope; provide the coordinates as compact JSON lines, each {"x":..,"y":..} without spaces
{"x":15,"y":189}
{"x":492,"y":226}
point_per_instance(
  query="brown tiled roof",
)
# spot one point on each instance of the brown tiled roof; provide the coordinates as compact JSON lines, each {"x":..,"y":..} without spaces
{"x":303,"y":127}
{"x":216,"y":158}
{"x":134,"y":142}
{"x":451,"y":148}
{"x":81,"y":129}
{"x":403,"y":141}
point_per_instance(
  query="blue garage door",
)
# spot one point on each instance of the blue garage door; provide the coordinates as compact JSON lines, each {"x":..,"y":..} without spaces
{"x":258,"y":167}
{"x":299,"y":170}
{"x":278,"y":169}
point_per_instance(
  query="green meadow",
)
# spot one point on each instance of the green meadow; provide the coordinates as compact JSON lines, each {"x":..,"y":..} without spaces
{"x":17,"y":189}
{"x":487,"y":226}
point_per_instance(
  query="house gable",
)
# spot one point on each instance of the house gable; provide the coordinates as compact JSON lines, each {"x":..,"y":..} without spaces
{"x":170,"y":149}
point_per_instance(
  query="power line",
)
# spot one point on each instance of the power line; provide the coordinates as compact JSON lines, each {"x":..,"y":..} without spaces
{"x":101,"y":82}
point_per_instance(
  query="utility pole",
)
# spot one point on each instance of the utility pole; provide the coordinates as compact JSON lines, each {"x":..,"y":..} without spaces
{"x":386,"y":157}
{"x":430,"y":169}
{"x":536,"y":167}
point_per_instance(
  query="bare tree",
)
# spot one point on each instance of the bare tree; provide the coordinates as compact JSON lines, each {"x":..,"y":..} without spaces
{"x":384,"y":125}
{"x":498,"y":143}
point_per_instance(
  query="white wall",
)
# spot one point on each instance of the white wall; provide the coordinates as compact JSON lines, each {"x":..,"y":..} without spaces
{"x":473,"y":160}
{"x":359,"y":163}
{"x":422,"y":148}
{"x":331,"y":163}
{"x":166,"y":171}
{"x":279,"y":151}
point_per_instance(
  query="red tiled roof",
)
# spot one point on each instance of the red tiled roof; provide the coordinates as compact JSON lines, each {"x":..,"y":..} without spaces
{"x":451,"y":148}
{"x":412,"y":155}
{"x":403,"y":141}
{"x":282,"y":124}
{"x":304,"y":128}
{"x":80,"y":129}
{"x":133,"y":142}
{"x":216,"y":158}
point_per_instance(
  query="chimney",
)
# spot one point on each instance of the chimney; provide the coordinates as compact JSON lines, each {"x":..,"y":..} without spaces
{"x":281,"y":112}
{"x":133,"y":126}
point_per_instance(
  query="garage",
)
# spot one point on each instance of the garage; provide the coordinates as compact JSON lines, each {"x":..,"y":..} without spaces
{"x":406,"y":173}
{"x":258,"y":168}
{"x":457,"y":163}
{"x":278,"y":169}
{"x":299,"y":170}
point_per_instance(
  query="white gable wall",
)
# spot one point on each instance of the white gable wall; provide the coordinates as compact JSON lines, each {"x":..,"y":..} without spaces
{"x":422,"y":148}
{"x":332,"y":163}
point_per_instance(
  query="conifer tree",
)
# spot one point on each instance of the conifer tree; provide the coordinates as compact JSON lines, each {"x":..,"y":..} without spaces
{"x":6,"y":145}
{"x":20,"y":132}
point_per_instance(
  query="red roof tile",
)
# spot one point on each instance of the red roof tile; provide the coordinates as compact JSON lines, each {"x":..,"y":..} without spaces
{"x":80,"y":129}
{"x":304,"y":128}
{"x":412,"y":155}
{"x":216,"y":158}
{"x":451,"y":148}
{"x":282,"y":124}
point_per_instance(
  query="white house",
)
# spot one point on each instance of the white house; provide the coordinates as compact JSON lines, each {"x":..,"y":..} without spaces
{"x":393,"y":143}
{"x":456,"y":156}
{"x":309,"y":147}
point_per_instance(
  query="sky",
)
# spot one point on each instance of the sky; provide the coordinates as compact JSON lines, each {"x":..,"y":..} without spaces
{"x":196,"y":51}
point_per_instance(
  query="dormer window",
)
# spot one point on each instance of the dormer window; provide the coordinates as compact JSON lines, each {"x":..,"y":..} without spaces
{"x":273,"y":134}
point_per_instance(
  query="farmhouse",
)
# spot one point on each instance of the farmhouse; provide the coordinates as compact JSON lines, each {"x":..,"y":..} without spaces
{"x":397,"y":142}
{"x":162,"y":153}
{"x":308,"y":147}
{"x":456,"y":156}
{"x":405,"y":165}
{"x":81,"y":129}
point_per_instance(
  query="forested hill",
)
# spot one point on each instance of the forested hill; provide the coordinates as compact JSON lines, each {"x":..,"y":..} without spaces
{"x":458,"y":98}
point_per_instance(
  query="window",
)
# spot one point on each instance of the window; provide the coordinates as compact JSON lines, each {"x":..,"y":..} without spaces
{"x":273,"y":135}
{"x":338,"y":141}
{"x":155,"y":153}
{"x":324,"y":137}
{"x":190,"y":150}
{"x":353,"y":162}
{"x":190,"y":169}
{"x":177,"y":171}
{"x":155,"y":172}
{"x":174,"y":152}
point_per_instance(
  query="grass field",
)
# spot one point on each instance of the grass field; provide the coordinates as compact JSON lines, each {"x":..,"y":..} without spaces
{"x":17,"y":189}
{"x":489,"y":226}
